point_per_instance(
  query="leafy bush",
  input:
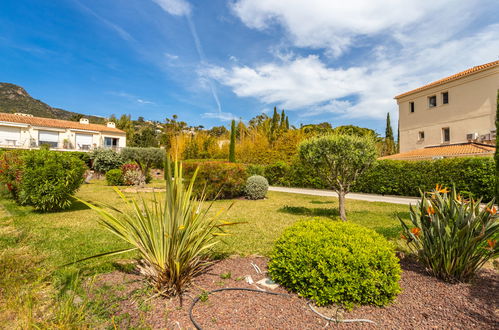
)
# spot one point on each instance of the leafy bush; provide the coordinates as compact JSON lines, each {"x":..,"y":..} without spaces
{"x":336,"y":262}
{"x":171,"y":232}
{"x":256,"y":187}
{"x":134,"y":178}
{"x":84,"y":156}
{"x":146,"y":158}
{"x":453,"y":237}
{"x":218,"y":180}
{"x":49,"y":179}
{"x":104,"y":160}
{"x":470,"y":175}
{"x":255,"y":169}
{"x":11,"y":165}
{"x":114,"y":177}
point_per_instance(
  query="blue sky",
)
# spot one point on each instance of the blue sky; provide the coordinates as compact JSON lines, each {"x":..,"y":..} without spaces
{"x":210,"y":61}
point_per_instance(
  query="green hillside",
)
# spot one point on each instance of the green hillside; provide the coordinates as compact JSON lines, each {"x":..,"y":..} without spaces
{"x":14,"y":99}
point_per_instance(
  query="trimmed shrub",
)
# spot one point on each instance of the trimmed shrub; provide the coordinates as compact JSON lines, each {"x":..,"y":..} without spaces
{"x":134,"y":178}
{"x":49,"y":179}
{"x":336,"y":263}
{"x":452,"y":237}
{"x":218,"y":180}
{"x":471,"y":176}
{"x":114,"y":177}
{"x":256,"y":187}
{"x":104,"y":160}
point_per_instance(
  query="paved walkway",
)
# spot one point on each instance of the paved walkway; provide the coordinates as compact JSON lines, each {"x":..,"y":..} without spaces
{"x":357,"y":196}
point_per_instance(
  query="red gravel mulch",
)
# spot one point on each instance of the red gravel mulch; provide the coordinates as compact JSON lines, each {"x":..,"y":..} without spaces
{"x":425,"y":302}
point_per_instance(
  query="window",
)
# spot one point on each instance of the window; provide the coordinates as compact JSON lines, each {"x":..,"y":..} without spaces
{"x":411,"y":107}
{"x":421,"y":135}
{"x":445,"y":98}
{"x":445,"y":134}
{"x":111,"y":143}
{"x":432,"y":101}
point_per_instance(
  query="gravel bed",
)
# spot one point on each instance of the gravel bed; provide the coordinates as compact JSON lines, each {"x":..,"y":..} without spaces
{"x":425,"y":302}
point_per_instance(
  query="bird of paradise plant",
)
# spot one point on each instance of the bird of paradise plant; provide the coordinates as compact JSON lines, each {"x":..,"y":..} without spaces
{"x":451,"y":236}
{"x":172,"y":232}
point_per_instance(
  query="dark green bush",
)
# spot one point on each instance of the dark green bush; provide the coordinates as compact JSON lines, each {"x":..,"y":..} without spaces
{"x":336,"y":263}
{"x":114,"y":177}
{"x":452,"y":237}
{"x":256,"y":187}
{"x":49,"y":179}
{"x":471,"y":176}
{"x":218,"y":180}
{"x":278,"y":174}
{"x":84,"y":156}
{"x":104,"y":160}
{"x":255,"y":169}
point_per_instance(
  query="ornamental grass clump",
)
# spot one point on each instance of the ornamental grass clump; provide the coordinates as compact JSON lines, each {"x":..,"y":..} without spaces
{"x":172,"y":232}
{"x":451,"y":236}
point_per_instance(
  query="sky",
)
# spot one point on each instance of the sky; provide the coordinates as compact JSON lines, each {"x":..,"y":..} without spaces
{"x":209,"y":61}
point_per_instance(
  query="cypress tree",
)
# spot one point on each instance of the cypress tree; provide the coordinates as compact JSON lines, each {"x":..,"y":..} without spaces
{"x":232,"y":147}
{"x":497,"y":150}
{"x":287,"y":122}
{"x":389,"y":140}
{"x":282,"y":124}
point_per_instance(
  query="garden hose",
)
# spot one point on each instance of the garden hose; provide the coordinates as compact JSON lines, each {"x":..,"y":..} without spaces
{"x":271,"y":293}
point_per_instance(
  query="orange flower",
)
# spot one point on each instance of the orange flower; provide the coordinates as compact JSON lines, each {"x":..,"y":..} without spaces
{"x":491,"y":243}
{"x":430,"y":210}
{"x":440,"y":188}
{"x":492,"y":211}
{"x":402,"y":236}
{"x":415,"y":231}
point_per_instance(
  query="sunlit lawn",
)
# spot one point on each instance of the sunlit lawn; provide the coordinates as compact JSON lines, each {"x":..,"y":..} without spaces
{"x":47,"y":241}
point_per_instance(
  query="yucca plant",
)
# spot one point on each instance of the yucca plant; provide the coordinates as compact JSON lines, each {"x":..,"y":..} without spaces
{"x":453,"y":237}
{"x":172,"y":232}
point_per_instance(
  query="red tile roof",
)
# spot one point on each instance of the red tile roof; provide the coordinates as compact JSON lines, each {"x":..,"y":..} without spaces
{"x":47,"y":122}
{"x":452,"y":150}
{"x":464,"y":73}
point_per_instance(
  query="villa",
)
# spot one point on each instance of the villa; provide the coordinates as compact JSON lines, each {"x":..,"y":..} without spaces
{"x":22,"y":131}
{"x":452,"y":117}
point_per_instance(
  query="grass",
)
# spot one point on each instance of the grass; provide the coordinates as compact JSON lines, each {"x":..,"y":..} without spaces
{"x":35,"y":289}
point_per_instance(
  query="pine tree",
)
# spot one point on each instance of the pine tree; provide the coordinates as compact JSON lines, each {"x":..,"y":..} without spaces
{"x":232,"y":147}
{"x":497,"y":150}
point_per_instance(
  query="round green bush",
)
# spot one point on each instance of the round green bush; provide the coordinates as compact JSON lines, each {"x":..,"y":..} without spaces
{"x":49,"y":179}
{"x":104,"y":160}
{"x":114,"y":177}
{"x":256,"y":187}
{"x":336,"y":262}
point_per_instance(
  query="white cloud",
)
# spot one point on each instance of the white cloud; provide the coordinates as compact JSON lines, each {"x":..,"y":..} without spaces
{"x":224,"y":116}
{"x":175,"y":7}
{"x":337,"y":25}
{"x":171,"y":56}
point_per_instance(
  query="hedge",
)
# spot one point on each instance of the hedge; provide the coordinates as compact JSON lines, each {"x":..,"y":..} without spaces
{"x":473,"y":176}
{"x":218,"y":180}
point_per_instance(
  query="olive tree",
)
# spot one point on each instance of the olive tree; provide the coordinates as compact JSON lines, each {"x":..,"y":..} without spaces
{"x":339,"y":160}
{"x":146,"y":158}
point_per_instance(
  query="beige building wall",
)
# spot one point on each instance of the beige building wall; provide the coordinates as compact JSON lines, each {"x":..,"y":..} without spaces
{"x":471,"y":109}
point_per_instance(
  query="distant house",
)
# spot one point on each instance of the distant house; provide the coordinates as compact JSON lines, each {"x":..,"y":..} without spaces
{"x":458,"y":110}
{"x":27,"y":132}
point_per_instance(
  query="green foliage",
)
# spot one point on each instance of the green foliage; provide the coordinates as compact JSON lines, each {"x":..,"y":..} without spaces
{"x":389,"y":141}
{"x":255,"y":169}
{"x":104,"y":160}
{"x":146,"y":158}
{"x":232,"y":146}
{"x":355,"y":130}
{"x":84,"y":156}
{"x":339,"y":160}
{"x":172,"y":233}
{"x":277,"y":173}
{"x":11,"y":169}
{"x":471,"y":176}
{"x":256,"y":187}
{"x":49,"y":179}
{"x":336,"y":263}
{"x":217,"y":180}
{"x":114,"y":177}
{"x":451,"y":236}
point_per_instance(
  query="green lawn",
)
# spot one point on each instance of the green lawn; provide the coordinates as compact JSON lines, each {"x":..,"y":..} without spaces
{"x":34,"y":245}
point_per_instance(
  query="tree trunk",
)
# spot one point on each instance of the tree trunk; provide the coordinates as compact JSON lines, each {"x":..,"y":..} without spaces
{"x":341,"y":198}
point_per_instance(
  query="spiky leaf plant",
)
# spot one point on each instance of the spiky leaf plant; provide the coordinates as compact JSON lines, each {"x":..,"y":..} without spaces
{"x":453,"y":237}
{"x":172,"y":232}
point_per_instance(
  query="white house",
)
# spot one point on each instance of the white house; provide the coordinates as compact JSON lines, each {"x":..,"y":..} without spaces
{"x":27,"y":132}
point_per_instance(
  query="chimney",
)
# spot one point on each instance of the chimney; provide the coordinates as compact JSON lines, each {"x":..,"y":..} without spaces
{"x":84,"y":121}
{"x":111,"y":124}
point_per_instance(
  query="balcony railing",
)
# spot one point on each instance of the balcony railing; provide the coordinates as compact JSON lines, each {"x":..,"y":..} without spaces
{"x":14,"y":144}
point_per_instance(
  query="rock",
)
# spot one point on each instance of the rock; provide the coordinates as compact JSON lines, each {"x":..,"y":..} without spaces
{"x":268,"y":283}
{"x":249,"y":279}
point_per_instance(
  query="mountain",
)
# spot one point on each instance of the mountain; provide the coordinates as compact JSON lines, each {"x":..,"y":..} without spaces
{"x":15,"y":99}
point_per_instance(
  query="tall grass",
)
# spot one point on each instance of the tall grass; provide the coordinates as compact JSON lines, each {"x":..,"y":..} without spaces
{"x":172,"y":232}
